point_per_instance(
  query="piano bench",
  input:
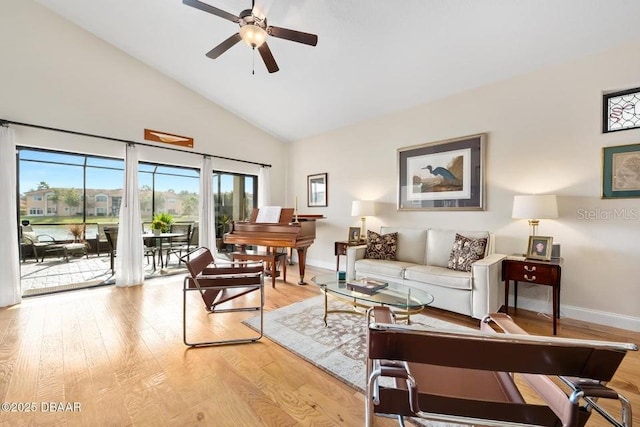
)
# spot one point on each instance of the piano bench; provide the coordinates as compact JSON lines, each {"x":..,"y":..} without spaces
{"x":270,"y":259}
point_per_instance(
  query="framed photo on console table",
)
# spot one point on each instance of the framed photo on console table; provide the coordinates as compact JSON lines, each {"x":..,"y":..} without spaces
{"x":540,"y":247}
{"x":354,"y":236}
{"x":444,"y":175}
{"x":317,"y":190}
{"x":621,"y":171}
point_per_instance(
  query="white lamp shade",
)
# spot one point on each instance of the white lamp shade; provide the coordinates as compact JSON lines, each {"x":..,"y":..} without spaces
{"x":363,"y":208}
{"x":535,"y":207}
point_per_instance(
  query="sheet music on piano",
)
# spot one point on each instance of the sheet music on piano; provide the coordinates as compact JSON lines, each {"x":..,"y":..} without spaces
{"x":269,"y":214}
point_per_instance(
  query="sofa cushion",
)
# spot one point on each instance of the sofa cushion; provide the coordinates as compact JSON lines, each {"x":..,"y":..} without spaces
{"x":381,"y":246}
{"x":466,"y":251}
{"x":412,"y":243}
{"x":29,"y":237}
{"x":439,"y":276}
{"x":439,"y":244}
{"x":391,"y":269}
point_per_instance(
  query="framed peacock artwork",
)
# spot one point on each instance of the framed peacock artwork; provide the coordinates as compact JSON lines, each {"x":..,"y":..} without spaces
{"x":443,"y":175}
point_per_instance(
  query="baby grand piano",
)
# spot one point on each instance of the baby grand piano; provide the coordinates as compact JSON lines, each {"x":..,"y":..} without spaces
{"x":286,"y":233}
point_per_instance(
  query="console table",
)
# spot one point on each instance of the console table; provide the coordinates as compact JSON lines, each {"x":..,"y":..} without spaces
{"x":535,"y":272}
{"x":340,"y":248}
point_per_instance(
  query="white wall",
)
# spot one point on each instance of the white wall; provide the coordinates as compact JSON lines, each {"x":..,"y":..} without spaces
{"x":544,"y":136}
{"x":55,"y":74}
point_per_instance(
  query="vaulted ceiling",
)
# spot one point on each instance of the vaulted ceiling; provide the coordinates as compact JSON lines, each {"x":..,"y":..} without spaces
{"x":373,"y":57}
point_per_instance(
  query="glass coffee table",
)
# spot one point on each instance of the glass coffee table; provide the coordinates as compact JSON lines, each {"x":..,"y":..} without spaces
{"x":403,"y":300}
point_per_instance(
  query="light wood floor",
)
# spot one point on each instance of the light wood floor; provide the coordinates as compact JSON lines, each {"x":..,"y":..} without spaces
{"x":118,"y":353}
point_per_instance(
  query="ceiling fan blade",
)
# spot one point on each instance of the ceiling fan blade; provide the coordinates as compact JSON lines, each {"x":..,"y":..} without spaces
{"x":268,"y":58}
{"x":224,"y":46}
{"x":213,"y":10}
{"x":293,"y":35}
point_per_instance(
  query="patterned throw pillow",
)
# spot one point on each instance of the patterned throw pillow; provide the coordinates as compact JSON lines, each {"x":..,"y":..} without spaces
{"x":381,"y":246}
{"x":465,"y":252}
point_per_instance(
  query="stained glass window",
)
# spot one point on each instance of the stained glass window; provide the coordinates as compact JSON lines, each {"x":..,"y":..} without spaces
{"x":621,"y":110}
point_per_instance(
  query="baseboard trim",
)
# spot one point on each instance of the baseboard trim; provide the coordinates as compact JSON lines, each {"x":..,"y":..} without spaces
{"x":579,"y":313}
{"x":321,"y":264}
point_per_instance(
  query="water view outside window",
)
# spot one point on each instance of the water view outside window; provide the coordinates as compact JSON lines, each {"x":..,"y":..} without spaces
{"x":60,"y":189}
{"x":57,"y":189}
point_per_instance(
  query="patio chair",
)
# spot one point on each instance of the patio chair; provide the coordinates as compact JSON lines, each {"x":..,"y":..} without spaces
{"x":37,"y":243}
{"x":218,"y":283}
{"x":467,"y":377}
{"x":65,"y":249}
{"x":101,"y":238}
{"x":111,"y":233}
{"x":178,"y":245}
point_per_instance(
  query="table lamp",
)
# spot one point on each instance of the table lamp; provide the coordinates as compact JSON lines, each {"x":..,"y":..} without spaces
{"x":534,"y":208}
{"x":363,"y":209}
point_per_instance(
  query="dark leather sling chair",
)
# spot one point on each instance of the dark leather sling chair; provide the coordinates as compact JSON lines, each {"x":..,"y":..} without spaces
{"x":218,"y":283}
{"x":467,"y":377}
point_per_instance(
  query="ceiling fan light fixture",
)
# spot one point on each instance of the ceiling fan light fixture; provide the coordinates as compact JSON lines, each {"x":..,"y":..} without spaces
{"x":253,"y":35}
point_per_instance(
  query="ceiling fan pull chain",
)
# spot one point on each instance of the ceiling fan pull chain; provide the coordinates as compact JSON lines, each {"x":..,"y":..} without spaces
{"x":253,"y":61}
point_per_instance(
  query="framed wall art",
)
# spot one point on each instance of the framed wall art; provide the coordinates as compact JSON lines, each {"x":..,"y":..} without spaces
{"x":445,"y":175}
{"x":621,"y":110}
{"x":540,"y":247}
{"x":317,"y":190}
{"x":621,"y":171}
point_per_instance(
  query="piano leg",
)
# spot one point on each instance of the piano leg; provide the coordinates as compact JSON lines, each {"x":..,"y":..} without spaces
{"x":302,"y":255}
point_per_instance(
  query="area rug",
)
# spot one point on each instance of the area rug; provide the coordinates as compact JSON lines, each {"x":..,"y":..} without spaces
{"x":339,"y":348}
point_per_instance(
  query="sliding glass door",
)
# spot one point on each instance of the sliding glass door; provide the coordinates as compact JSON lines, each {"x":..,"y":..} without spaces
{"x":234,"y":196}
{"x":64,"y":196}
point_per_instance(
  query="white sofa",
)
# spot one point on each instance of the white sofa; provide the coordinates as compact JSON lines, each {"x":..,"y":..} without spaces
{"x":421,"y":262}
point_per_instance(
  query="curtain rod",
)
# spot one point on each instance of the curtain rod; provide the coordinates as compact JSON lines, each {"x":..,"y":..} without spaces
{"x":4,"y":122}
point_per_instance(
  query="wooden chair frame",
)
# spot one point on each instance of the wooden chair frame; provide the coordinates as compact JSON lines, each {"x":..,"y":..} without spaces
{"x":218,"y":283}
{"x":483,"y":362}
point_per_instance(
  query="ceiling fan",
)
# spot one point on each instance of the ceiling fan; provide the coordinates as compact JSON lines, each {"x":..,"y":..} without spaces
{"x":253,"y":30}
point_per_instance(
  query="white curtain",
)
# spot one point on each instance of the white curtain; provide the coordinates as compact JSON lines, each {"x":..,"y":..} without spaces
{"x":207,"y":234}
{"x":129,"y":257}
{"x":264,"y":187}
{"x":9,"y":249}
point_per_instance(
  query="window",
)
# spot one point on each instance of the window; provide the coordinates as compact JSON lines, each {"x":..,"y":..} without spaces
{"x":235,"y":196}
{"x":169,"y":189}
{"x":67,"y":187}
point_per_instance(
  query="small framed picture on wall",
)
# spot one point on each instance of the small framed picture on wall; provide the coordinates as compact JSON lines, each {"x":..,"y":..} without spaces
{"x":317,"y":190}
